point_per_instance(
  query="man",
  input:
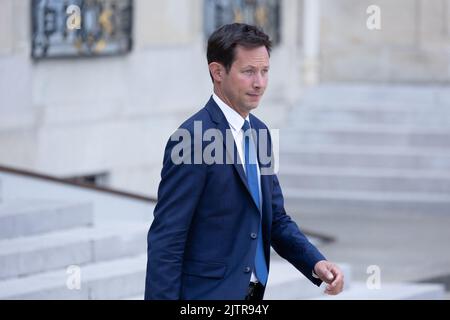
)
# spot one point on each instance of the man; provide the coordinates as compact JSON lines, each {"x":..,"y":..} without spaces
{"x":214,"y":223}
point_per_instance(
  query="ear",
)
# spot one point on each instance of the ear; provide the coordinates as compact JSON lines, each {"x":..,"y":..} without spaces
{"x":217,"y":71}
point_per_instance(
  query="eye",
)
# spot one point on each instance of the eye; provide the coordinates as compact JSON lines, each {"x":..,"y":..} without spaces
{"x":248,"y":71}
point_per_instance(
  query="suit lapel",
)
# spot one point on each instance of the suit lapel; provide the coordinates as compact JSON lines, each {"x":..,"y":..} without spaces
{"x":222,"y":124}
{"x":266,"y":211}
{"x":232,"y":154}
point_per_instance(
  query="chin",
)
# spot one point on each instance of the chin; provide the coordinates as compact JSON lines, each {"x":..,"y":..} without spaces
{"x":253,"y":106}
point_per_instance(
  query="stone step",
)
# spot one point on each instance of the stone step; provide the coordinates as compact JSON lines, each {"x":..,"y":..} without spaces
{"x":410,"y":116}
{"x":28,"y":217}
{"x":387,"y":180}
{"x":28,"y":255}
{"x":366,"y":157}
{"x":364,"y":128}
{"x":365,"y":135}
{"x":287,"y":283}
{"x":139,"y":296}
{"x":372,"y":96}
{"x":390,"y":291}
{"x":304,"y":201}
{"x":115,"y":279}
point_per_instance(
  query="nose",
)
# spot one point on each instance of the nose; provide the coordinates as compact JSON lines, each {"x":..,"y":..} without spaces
{"x":258,"y":81}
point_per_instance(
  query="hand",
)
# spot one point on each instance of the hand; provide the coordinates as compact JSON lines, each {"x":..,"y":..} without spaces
{"x":331,"y":274}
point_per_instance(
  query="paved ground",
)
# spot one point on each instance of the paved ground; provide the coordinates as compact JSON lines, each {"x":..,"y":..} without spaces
{"x":406,"y":248}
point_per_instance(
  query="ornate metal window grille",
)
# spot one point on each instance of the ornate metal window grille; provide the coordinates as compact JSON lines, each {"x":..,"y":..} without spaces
{"x":100,"y":27}
{"x":263,"y":13}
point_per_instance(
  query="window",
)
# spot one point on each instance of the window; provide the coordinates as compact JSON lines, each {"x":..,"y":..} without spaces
{"x":263,"y":13}
{"x":74,"y":28}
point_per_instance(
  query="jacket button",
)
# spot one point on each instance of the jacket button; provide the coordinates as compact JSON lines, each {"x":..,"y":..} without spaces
{"x":247,"y":269}
{"x":253,"y":235}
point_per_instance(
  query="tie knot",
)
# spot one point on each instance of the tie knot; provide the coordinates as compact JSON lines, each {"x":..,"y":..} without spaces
{"x":245,"y":126}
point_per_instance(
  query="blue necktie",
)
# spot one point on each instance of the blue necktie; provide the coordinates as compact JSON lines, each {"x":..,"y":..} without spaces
{"x":252,"y":180}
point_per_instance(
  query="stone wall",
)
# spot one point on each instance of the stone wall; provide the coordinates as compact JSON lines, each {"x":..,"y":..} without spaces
{"x":413,"y":44}
{"x":72,"y":117}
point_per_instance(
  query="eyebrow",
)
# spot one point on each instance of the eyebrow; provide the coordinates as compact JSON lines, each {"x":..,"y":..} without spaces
{"x":254,"y":67}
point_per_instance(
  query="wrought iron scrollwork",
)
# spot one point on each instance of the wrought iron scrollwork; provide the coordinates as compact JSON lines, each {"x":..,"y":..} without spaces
{"x":96,"y":27}
{"x":263,"y":13}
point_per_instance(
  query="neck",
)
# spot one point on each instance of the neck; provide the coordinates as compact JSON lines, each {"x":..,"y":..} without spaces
{"x":223,"y":97}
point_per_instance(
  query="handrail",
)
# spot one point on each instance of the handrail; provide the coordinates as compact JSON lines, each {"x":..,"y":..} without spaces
{"x":47,"y":177}
{"x":323,"y":237}
{"x":27,"y":173}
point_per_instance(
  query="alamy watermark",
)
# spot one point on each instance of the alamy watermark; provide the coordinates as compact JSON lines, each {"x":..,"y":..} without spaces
{"x":73,"y":281}
{"x":212,"y":147}
{"x":374,"y":280}
{"x":374,"y":20}
{"x":73,"y":21}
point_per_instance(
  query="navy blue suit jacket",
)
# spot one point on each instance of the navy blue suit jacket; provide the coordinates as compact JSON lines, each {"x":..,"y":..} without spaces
{"x":201,"y":244}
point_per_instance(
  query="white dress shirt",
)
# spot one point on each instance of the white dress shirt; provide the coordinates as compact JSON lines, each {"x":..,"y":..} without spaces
{"x":235,"y":121}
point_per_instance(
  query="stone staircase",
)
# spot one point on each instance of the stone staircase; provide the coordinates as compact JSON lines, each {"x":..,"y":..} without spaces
{"x":286,"y":283}
{"x":353,"y":149}
{"x":40,"y":239}
{"x":368,"y":149}
{"x":36,"y":253}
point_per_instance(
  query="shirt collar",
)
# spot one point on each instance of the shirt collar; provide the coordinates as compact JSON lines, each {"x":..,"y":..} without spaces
{"x":234,"y":119}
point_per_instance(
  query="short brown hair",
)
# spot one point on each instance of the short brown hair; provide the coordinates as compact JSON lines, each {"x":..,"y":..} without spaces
{"x":222,"y":42}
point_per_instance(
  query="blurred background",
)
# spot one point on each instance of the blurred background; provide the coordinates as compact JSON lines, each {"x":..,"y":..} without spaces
{"x":90,"y":91}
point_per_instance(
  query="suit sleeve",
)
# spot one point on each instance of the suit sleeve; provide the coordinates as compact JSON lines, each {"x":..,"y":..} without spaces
{"x":179,"y":191}
{"x":287,"y":239}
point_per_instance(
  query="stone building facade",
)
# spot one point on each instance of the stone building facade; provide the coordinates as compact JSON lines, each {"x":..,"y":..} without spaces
{"x":109,"y":117}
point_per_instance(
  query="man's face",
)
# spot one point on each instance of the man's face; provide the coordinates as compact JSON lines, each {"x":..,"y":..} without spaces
{"x":246,"y":81}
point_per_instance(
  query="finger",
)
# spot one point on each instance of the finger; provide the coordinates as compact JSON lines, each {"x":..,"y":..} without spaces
{"x":335,"y":270}
{"x":336,"y":289}
{"x":330,"y":291}
{"x":325,"y":278}
{"x":337,"y":280}
{"x":328,"y":274}
{"x":323,"y":273}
